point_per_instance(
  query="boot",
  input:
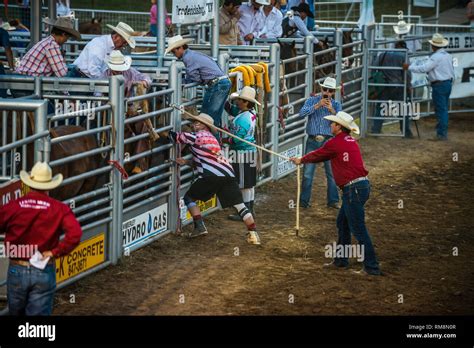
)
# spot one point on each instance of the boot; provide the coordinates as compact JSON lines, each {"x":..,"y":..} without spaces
{"x":199,"y":229}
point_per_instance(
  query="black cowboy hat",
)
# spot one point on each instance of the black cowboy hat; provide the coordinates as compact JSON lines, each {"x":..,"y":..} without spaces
{"x":303,"y":7}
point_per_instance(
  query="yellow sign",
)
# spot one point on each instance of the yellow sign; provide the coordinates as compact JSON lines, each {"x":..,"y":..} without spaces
{"x":203,"y":206}
{"x":86,"y":255}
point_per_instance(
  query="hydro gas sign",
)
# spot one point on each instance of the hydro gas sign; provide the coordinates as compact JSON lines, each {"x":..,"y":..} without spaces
{"x":145,"y":225}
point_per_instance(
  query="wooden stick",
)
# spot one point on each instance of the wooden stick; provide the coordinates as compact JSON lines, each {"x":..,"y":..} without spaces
{"x":210,"y":125}
{"x":298,"y":175}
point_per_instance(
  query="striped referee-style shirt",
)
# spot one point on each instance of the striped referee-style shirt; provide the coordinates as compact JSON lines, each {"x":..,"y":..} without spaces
{"x":43,"y":59}
{"x":316,"y":124}
{"x":207,"y":154}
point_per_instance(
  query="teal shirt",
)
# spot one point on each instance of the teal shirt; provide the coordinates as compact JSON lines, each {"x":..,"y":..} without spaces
{"x":243,"y":125}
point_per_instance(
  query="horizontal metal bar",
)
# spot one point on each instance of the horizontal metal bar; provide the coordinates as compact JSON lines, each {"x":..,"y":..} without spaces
{"x":94,"y":214}
{"x":150,"y":95}
{"x":297,"y":131}
{"x":294,"y":59}
{"x":152,"y":114}
{"x":83,"y":112}
{"x":86,"y":175}
{"x":80,"y":134}
{"x":96,"y":223}
{"x":80,"y":155}
{"x":323,"y":52}
{"x":151,"y":171}
{"x":162,"y":176}
{"x":16,"y":104}
{"x":353,"y":43}
{"x":94,"y":204}
{"x":146,"y":202}
{"x":90,"y":194}
{"x":291,"y":140}
{"x":149,"y":191}
{"x":24,"y":141}
{"x":325,"y":65}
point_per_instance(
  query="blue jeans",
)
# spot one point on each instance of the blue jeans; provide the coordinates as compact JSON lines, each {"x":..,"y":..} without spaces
{"x":308,"y":175}
{"x":30,"y":291}
{"x":351,"y":220}
{"x":154,"y":29}
{"x":214,"y":100}
{"x":440,"y":93}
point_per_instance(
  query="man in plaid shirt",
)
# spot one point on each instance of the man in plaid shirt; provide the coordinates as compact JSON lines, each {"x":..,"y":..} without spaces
{"x":45,"y":58}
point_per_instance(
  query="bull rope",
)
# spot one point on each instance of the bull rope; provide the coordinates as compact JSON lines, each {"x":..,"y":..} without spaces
{"x":298,"y":171}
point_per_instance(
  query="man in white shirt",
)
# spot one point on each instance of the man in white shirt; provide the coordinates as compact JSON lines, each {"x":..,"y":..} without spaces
{"x":293,"y":24}
{"x":272,"y":22}
{"x":92,"y":61}
{"x":251,"y":20}
{"x":440,"y":71}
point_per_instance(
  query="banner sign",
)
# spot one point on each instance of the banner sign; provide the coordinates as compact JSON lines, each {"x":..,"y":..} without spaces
{"x":145,"y":225}
{"x":424,"y":3}
{"x":463,"y":85}
{"x":192,"y":12}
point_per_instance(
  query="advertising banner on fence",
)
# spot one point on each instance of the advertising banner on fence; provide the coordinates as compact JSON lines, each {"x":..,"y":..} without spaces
{"x":287,"y":166}
{"x":203,"y":206}
{"x":86,"y":255}
{"x":145,"y":225}
{"x":463,"y":70}
{"x":191,"y":12}
{"x":12,"y":190}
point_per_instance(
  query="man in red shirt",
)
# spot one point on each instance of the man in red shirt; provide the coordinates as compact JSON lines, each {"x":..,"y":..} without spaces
{"x":351,"y":177}
{"x":32,"y":223}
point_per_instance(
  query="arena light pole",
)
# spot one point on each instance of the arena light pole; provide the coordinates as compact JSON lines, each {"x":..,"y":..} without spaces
{"x":52,"y":9}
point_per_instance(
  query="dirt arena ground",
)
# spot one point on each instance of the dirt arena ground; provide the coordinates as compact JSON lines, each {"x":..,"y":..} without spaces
{"x":176,"y":276}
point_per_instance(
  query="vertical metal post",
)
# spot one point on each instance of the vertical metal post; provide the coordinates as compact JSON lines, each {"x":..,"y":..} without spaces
{"x":174,"y":76}
{"x":160,"y":37}
{"x":51,"y":9}
{"x":35,"y":24}
{"x":275,"y":81}
{"x":437,"y":15}
{"x":368,"y":31}
{"x":41,"y":124}
{"x":224,"y":64}
{"x":309,"y":51}
{"x":338,"y":43}
{"x":38,"y":90}
{"x":215,"y":30}
{"x":116,"y":90}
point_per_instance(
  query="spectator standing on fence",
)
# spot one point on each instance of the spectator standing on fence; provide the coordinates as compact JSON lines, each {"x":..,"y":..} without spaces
{"x":251,"y":20}
{"x":92,"y":61}
{"x":34,"y":224}
{"x":5,"y":43}
{"x":215,"y":176}
{"x":229,"y":16}
{"x":272,"y":22}
{"x":118,"y":64}
{"x":318,"y":129}
{"x":295,"y":3}
{"x":19,"y":28}
{"x":440,"y":70}
{"x":154,"y":18}
{"x":293,"y":23}
{"x":351,"y":177}
{"x":244,"y":156}
{"x":205,"y":71}
{"x":45,"y":58}
{"x":392,"y":94}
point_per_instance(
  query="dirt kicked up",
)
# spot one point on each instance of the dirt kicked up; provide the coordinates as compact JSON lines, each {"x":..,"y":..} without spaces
{"x":419,"y":215}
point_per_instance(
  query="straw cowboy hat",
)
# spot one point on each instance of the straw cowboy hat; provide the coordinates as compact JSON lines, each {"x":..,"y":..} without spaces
{"x":125,"y":31}
{"x":345,"y":120}
{"x":118,"y":62}
{"x":41,"y":177}
{"x":64,"y":24}
{"x":204,"y":119}
{"x":175,"y":42}
{"x":263,"y":2}
{"x":247,"y":93}
{"x":7,"y":26}
{"x":438,"y":40}
{"x":402,"y":28}
{"x":329,"y":82}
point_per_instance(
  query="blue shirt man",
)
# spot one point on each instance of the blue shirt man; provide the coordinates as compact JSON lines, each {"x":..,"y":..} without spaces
{"x":5,"y":43}
{"x":319,"y":131}
{"x":205,"y":71}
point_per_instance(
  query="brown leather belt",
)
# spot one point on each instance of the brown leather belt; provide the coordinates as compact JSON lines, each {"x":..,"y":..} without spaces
{"x":320,"y":137}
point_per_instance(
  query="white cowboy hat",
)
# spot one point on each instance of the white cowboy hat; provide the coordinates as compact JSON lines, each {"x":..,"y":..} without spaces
{"x":438,"y":40}
{"x":204,"y":119}
{"x":345,"y":120}
{"x":329,"y":82}
{"x":41,"y":177}
{"x":175,"y":42}
{"x":402,"y":28}
{"x":65,"y":24}
{"x":7,"y":26}
{"x":125,"y":31}
{"x":247,"y":93}
{"x":118,"y":62}
{"x":263,"y":2}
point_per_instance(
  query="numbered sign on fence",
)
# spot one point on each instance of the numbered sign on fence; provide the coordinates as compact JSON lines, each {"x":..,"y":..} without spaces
{"x":191,"y":12}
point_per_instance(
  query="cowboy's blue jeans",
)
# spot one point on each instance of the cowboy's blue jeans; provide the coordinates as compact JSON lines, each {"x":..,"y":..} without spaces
{"x":214,"y":99}
{"x":30,"y":290}
{"x":308,"y":175}
{"x":440,"y":93}
{"x":351,"y":220}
